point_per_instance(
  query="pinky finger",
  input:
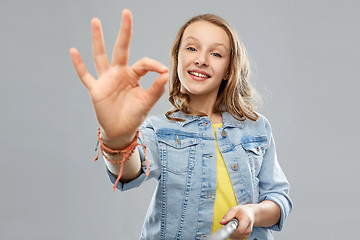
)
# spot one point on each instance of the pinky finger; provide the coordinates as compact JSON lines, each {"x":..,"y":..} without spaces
{"x":80,"y":68}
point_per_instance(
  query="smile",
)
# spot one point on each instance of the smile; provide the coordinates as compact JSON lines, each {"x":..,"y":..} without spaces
{"x":197,"y":74}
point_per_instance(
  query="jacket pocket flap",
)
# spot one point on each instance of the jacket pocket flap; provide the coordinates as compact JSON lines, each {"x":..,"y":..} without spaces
{"x":255,"y":145}
{"x":177,"y":141}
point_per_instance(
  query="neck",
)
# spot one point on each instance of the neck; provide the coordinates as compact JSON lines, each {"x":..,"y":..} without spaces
{"x":205,"y":105}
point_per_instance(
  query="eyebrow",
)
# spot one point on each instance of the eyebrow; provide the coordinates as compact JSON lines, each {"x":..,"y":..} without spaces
{"x":217,"y":44}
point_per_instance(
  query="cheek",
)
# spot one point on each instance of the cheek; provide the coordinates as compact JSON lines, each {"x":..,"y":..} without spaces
{"x":184,"y":58}
{"x":220,"y":71}
{"x":223,"y":68}
{"x":181,"y":68}
{"x":181,"y":73}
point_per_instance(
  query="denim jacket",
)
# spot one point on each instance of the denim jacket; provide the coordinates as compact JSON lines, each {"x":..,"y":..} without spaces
{"x":182,"y":159}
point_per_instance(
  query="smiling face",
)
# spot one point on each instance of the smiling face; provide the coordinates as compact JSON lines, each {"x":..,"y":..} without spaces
{"x":203,"y":60}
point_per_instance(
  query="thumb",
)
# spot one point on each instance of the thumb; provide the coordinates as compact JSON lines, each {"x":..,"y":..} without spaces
{"x":157,"y":89}
{"x":231,"y":214}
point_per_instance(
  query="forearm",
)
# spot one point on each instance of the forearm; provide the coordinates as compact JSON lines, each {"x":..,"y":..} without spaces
{"x":267,"y":213}
{"x":131,"y":167}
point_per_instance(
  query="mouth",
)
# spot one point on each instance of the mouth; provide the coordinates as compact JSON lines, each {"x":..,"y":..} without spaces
{"x":199,"y":75}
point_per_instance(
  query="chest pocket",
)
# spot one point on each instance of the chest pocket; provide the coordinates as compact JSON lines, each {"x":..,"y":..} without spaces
{"x":255,"y":149}
{"x":177,"y":152}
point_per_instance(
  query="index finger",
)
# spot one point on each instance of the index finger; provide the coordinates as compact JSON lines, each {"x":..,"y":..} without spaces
{"x":121,"y":48}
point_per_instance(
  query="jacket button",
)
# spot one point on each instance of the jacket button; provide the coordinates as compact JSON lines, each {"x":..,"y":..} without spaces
{"x":257,"y":148}
{"x":234,"y":166}
{"x":223,"y":133}
{"x":178,"y":141}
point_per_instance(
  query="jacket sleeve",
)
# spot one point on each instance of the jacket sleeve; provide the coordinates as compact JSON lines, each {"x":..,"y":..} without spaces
{"x":152,"y":154}
{"x":273,"y":184}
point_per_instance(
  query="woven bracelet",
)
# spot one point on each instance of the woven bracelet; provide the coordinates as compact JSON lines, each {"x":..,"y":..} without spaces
{"x":125,"y":152}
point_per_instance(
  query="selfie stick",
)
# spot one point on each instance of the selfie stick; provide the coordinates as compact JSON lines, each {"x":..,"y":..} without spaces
{"x":225,"y":232}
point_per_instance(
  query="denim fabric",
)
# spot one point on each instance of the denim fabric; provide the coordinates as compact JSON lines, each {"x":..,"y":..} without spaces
{"x":182,"y":159}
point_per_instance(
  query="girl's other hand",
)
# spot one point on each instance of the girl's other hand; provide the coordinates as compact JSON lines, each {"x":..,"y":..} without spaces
{"x":246,"y":217}
{"x":120,"y":103}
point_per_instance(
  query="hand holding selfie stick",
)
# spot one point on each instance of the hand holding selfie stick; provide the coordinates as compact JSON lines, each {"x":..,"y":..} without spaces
{"x":225,"y":232}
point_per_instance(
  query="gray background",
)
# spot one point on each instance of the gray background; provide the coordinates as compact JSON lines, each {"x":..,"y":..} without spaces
{"x":305,"y":63}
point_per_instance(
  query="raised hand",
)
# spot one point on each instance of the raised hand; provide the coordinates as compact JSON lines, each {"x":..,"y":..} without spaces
{"x":120,"y":103}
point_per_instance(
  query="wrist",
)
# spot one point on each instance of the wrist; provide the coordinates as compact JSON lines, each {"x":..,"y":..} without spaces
{"x":266,"y":213}
{"x":117,"y":142}
{"x":125,"y":153}
{"x":255,"y":209}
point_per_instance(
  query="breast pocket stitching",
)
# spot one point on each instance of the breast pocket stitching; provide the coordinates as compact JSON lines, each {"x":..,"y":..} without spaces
{"x":177,"y":152}
{"x":255,"y":151}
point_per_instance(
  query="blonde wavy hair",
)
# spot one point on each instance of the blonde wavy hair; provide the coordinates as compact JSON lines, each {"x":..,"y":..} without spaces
{"x":236,"y":95}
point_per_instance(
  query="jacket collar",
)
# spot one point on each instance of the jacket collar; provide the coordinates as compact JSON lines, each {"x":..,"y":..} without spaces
{"x":228,"y":119}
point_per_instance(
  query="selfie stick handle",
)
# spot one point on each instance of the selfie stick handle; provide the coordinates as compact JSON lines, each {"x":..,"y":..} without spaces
{"x":225,"y":232}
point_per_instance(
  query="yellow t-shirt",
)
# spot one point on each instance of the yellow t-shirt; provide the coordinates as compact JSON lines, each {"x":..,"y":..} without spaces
{"x":225,"y":196}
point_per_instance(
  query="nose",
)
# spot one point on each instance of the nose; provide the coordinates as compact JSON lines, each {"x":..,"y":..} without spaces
{"x":201,"y":60}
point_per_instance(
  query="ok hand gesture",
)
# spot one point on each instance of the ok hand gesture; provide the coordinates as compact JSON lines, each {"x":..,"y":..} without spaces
{"x":120,"y":103}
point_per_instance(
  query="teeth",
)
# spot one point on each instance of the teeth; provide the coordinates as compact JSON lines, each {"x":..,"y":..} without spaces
{"x":199,"y":74}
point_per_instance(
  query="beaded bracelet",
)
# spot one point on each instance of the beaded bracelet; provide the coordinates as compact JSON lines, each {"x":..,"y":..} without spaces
{"x":126,"y":153}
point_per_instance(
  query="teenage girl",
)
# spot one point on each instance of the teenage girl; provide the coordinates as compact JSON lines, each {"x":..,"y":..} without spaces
{"x":213,"y":156}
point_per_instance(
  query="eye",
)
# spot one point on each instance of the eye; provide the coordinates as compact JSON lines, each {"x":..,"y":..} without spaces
{"x":191,"y":49}
{"x":216,"y":55}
